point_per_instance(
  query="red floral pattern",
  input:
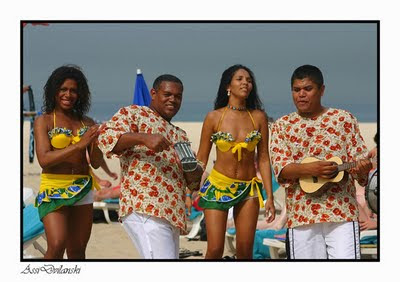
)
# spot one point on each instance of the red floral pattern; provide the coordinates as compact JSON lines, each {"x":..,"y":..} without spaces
{"x":151,"y":183}
{"x":334,"y":133}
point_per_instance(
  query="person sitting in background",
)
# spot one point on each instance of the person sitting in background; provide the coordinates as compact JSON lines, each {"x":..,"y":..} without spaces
{"x":367,"y":219}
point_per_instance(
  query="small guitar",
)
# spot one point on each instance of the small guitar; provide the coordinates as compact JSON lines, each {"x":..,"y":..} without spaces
{"x":310,"y":184}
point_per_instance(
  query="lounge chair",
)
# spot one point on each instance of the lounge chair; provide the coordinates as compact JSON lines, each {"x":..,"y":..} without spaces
{"x":105,"y":205}
{"x":33,"y":229}
{"x":195,"y":218}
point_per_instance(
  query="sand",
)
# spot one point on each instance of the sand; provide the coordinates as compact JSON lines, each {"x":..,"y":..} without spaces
{"x":110,"y":241}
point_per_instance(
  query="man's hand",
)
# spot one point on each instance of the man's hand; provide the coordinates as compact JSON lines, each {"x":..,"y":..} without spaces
{"x":362,"y":168}
{"x":193,"y":178}
{"x":157,"y":142}
{"x":322,"y":169}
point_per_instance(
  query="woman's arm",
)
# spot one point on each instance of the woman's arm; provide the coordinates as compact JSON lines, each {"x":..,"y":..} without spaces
{"x":95,"y":155}
{"x":265,"y":166}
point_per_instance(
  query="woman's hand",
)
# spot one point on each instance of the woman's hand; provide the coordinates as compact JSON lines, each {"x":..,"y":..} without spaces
{"x":89,"y":136}
{"x":270,"y":210}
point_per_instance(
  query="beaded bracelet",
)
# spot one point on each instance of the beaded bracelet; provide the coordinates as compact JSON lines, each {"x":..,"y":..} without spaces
{"x":189,"y":195}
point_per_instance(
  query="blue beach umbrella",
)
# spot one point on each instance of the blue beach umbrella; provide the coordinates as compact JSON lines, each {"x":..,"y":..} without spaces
{"x":141,"y":96}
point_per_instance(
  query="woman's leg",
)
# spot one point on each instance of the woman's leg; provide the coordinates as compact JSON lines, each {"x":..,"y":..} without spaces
{"x":246,"y":215}
{"x":80,"y":219}
{"x":55,"y":226}
{"x":216,"y":228}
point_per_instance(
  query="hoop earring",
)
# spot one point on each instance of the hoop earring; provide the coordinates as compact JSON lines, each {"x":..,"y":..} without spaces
{"x":229,"y":93}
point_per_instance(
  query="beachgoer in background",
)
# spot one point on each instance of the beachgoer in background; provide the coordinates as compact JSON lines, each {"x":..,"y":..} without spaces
{"x":152,"y":200}
{"x":323,"y":224}
{"x":237,"y":126}
{"x":368,"y":219}
{"x":63,"y":134}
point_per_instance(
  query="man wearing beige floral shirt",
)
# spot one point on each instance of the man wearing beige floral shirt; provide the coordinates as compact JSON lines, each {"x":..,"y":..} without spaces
{"x":322,"y":224}
{"x":152,"y":207}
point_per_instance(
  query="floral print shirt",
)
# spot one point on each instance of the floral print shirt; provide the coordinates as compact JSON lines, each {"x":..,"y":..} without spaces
{"x":151,"y":183}
{"x":334,"y":133}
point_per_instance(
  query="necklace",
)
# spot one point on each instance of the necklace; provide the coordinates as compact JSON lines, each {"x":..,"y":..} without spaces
{"x":236,"y":109}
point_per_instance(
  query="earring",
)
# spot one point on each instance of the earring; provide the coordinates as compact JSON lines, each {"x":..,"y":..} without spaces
{"x":229,"y":93}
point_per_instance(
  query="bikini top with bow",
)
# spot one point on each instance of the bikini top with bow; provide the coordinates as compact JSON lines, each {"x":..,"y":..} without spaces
{"x":224,"y":140}
{"x":61,"y":137}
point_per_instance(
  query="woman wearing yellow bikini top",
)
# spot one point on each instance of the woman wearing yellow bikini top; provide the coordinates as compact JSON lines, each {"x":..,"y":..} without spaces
{"x":237,"y":126}
{"x":63,"y":136}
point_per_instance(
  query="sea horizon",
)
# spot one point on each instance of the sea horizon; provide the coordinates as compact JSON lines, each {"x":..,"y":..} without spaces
{"x":196,"y":111}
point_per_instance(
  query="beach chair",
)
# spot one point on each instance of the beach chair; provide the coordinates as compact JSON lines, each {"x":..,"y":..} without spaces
{"x":368,"y":241}
{"x":33,"y":229}
{"x":230,"y":237}
{"x":195,"y":218}
{"x":106,"y":205}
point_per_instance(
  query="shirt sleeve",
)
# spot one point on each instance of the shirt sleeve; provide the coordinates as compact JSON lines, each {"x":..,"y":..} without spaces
{"x":110,"y":132}
{"x":281,"y":154}
{"x":356,"y":149}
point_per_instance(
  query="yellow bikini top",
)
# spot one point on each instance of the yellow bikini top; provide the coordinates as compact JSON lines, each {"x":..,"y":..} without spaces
{"x":224,"y":140}
{"x":62,"y":137}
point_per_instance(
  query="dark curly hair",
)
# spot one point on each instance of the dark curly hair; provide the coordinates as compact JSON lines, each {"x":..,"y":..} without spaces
{"x":54,"y":83}
{"x":252,"y":102}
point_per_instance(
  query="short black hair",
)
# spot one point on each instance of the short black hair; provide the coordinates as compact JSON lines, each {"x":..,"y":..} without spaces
{"x":166,"y":77}
{"x":308,"y":71}
{"x":54,"y":83}
{"x":252,"y":102}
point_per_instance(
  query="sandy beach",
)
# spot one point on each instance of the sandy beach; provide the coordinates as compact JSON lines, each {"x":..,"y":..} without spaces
{"x":110,"y":241}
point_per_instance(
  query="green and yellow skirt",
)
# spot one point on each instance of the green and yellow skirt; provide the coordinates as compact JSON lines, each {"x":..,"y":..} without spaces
{"x":58,"y":190}
{"x":221,"y":192}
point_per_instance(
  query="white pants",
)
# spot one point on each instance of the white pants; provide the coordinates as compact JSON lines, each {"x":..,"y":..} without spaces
{"x":153,"y":237}
{"x":88,"y":199}
{"x":328,"y":240}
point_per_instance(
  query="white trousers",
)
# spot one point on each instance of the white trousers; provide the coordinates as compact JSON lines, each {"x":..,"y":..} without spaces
{"x":153,"y":237}
{"x":88,"y":199}
{"x":328,"y":240}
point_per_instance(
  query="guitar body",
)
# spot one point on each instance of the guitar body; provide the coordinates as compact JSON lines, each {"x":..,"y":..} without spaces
{"x":311,"y":184}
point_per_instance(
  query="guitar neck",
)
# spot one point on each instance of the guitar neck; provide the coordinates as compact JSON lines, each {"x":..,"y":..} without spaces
{"x":347,"y":166}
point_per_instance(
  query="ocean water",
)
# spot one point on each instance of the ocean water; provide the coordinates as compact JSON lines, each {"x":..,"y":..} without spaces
{"x":196,"y":111}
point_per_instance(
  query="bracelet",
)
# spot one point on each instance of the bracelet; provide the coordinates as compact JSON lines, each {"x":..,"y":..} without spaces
{"x":189,"y":195}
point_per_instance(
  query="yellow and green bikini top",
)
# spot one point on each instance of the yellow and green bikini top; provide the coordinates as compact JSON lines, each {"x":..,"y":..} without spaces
{"x":62,"y":137}
{"x":224,"y":140}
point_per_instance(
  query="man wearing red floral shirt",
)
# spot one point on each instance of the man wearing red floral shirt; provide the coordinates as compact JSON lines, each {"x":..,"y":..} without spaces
{"x":322,"y":224}
{"x":152,"y":207}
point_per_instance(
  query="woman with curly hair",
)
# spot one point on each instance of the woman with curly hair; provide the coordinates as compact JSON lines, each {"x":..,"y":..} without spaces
{"x":237,"y":126}
{"x":65,"y":140}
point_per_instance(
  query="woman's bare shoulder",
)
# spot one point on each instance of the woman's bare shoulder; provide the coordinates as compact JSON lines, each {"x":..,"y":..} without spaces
{"x":44,"y":119}
{"x":88,"y":121}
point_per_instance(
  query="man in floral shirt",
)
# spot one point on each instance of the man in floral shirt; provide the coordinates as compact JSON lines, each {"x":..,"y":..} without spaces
{"x":322,"y":224}
{"x":152,"y":207}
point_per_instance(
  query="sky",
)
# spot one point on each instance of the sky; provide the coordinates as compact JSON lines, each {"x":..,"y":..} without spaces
{"x":198,"y":53}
